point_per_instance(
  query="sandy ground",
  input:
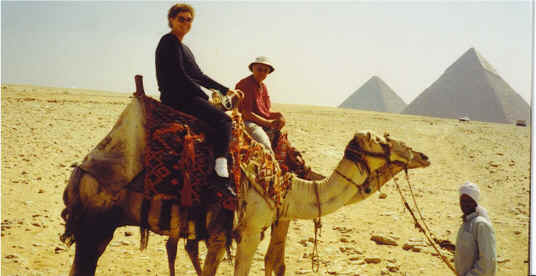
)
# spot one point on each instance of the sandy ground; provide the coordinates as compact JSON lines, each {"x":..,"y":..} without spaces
{"x":45,"y":130}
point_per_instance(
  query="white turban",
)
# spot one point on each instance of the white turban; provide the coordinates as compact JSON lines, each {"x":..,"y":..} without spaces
{"x":471,"y":190}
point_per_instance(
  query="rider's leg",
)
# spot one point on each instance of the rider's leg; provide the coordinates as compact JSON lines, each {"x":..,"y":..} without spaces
{"x":258,"y":133}
{"x":222,"y":125}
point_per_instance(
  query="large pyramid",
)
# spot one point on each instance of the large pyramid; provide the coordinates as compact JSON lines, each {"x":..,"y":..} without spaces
{"x":472,"y":87}
{"x":375,"y":95}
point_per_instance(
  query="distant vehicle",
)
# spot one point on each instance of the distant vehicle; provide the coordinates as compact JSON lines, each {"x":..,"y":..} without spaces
{"x":521,"y":123}
{"x":464,"y":118}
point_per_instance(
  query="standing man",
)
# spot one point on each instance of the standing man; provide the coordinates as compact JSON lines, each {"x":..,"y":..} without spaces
{"x":255,"y":107}
{"x":475,"y":244}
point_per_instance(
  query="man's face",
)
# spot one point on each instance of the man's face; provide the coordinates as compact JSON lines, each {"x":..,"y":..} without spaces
{"x":467,"y":204}
{"x":182,"y":23}
{"x":260,"y":71}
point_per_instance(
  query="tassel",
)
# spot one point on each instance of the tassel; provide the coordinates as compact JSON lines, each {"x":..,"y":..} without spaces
{"x":186,"y":193}
{"x":188,"y":163}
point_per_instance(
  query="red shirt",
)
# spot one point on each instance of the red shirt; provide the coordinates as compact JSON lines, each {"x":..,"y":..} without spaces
{"x":256,"y":99}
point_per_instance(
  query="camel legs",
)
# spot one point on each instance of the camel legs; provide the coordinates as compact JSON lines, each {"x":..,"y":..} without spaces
{"x":90,"y":244}
{"x":274,"y":261}
{"x":215,"y":253}
{"x":249,"y":241}
{"x":171,"y":249}
{"x":192,"y":247}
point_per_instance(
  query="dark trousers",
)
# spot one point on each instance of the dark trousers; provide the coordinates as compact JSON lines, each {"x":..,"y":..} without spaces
{"x":215,"y":118}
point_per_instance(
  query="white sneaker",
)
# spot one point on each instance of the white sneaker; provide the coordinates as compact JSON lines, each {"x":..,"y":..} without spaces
{"x":221,"y":167}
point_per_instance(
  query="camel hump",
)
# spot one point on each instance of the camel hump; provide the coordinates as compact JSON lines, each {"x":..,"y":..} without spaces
{"x":118,"y":157}
{"x":108,"y":168}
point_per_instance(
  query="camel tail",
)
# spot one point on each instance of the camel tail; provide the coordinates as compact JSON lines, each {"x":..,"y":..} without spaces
{"x":144,"y":238}
{"x":73,"y":210}
{"x":144,"y":225}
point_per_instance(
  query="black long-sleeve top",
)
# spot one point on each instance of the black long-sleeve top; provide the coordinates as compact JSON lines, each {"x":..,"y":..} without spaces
{"x":178,"y":75}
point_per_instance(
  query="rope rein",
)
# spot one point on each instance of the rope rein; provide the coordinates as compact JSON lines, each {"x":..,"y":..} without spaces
{"x":354,"y":153}
{"x":427,"y":233}
{"x":315,"y":257}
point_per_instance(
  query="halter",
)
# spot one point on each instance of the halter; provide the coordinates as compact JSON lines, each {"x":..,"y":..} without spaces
{"x":355,"y":153}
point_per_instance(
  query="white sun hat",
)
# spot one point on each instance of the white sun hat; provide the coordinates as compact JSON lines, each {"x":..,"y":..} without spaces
{"x":262,"y":60}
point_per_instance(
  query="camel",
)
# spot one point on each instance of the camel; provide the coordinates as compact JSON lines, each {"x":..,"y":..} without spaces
{"x":105,"y":192}
{"x":274,"y":261}
{"x":99,"y":196}
{"x":364,"y":156}
{"x":375,"y":165}
{"x":274,"y":257}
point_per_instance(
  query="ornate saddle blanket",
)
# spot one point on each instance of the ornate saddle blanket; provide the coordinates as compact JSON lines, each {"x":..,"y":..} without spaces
{"x":178,"y":158}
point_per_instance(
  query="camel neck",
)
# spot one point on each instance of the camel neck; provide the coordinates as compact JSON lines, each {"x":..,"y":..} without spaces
{"x":302,"y":201}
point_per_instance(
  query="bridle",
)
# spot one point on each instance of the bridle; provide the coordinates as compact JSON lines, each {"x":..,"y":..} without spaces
{"x":355,"y":153}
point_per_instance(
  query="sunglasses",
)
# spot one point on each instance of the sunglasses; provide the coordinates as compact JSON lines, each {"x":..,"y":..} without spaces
{"x":183,"y":19}
{"x":262,"y":69}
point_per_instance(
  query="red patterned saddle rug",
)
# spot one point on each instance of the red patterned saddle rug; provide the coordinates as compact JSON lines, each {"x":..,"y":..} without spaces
{"x":178,"y":158}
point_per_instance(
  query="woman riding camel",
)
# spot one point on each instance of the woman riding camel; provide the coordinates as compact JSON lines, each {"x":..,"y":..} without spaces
{"x":179,"y":79}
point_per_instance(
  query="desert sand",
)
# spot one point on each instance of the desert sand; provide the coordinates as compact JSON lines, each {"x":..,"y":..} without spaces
{"x":45,"y":130}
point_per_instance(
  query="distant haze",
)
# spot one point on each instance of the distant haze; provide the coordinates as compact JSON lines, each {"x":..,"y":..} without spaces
{"x":322,"y":51}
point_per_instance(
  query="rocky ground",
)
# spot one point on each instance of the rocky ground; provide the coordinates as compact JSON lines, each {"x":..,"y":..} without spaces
{"x":45,"y":130}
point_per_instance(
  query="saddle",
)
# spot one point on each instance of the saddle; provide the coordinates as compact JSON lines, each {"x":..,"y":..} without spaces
{"x":288,"y":157}
{"x":178,"y":157}
{"x":173,"y":150}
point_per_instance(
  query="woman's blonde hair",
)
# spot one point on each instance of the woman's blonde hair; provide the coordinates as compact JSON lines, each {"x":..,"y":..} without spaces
{"x":178,"y":8}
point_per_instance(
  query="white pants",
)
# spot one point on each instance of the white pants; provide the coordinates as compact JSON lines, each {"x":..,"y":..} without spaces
{"x":258,"y":133}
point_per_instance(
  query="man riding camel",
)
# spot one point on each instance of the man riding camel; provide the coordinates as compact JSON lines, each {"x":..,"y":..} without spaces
{"x":255,"y":107}
{"x":263,"y":124}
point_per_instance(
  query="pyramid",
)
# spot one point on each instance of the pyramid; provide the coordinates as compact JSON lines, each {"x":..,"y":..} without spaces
{"x":471,"y":86}
{"x":375,"y":95}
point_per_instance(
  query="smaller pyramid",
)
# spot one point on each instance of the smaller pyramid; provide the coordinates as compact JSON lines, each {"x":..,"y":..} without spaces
{"x":375,"y":95}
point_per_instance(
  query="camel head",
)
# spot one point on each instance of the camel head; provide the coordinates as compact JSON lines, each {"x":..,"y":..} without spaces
{"x":419,"y":160}
{"x":383,"y":174}
{"x":376,"y":151}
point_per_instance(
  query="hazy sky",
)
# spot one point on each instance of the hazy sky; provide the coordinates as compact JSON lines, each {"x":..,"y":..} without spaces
{"x":322,"y":51}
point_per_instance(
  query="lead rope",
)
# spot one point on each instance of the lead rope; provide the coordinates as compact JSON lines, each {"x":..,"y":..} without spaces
{"x":416,"y":206}
{"x":417,"y":224}
{"x":315,"y":257}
